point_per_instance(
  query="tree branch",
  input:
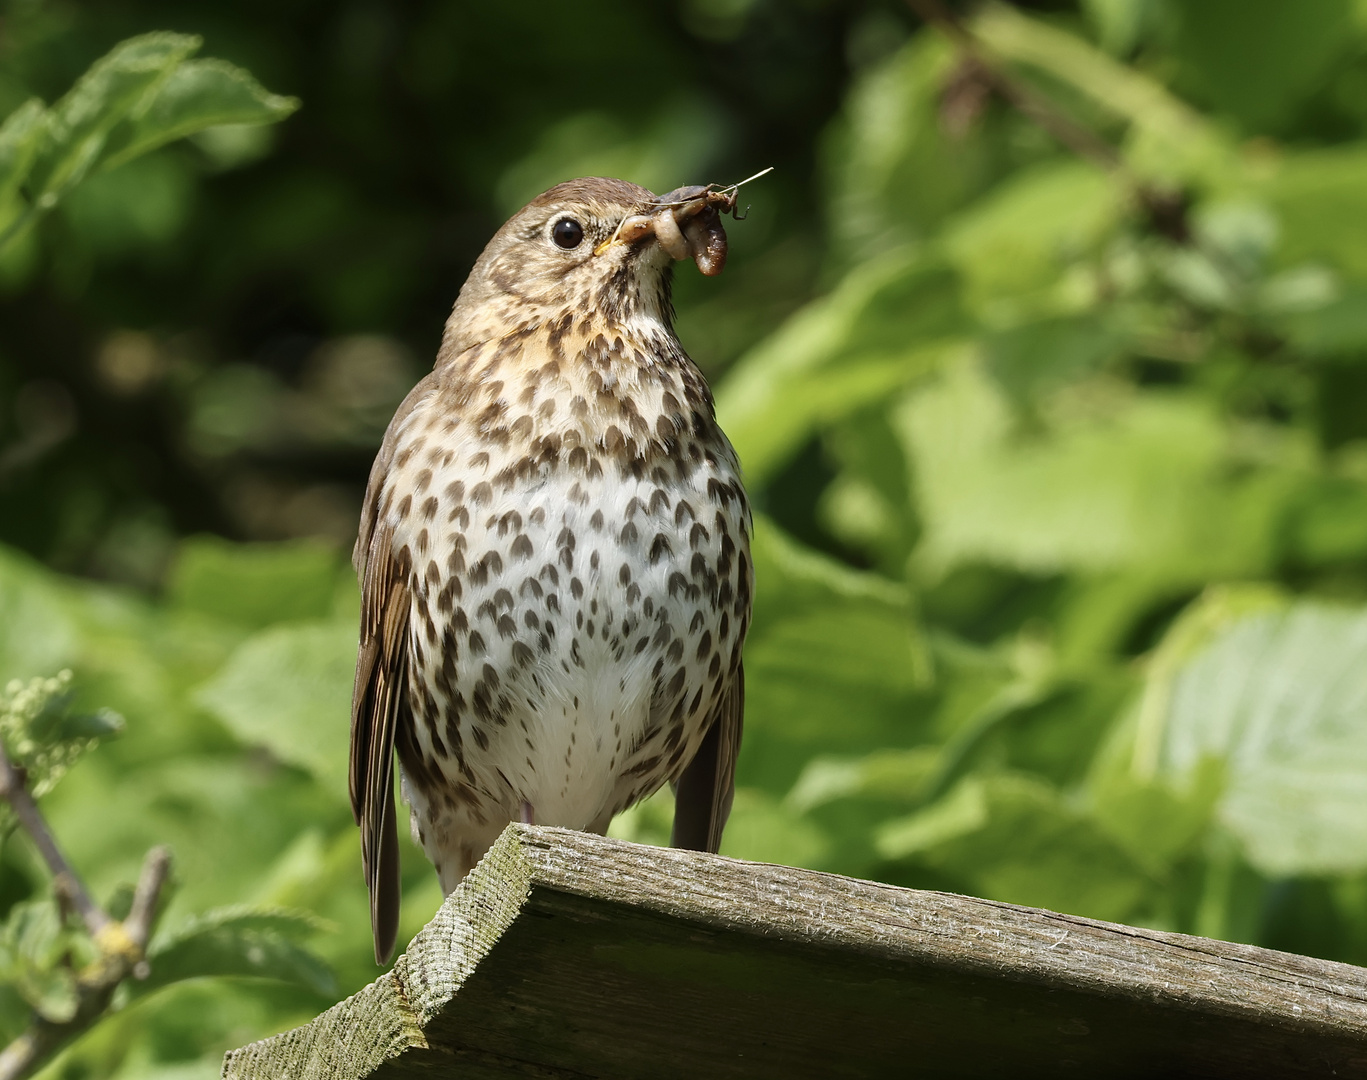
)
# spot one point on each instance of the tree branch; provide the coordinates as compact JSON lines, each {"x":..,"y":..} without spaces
{"x":1166,"y":209}
{"x":65,"y":879}
{"x":122,"y":945}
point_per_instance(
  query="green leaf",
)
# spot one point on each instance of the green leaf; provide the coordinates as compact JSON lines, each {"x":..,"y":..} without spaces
{"x":1019,"y":239}
{"x":1118,"y":479}
{"x":1155,"y":821}
{"x":1013,"y":838}
{"x":289,"y":689}
{"x":764,"y":830}
{"x":1120,"y":23}
{"x":1320,"y":198}
{"x":1043,"y":354}
{"x":38,"y":630}
{"x":1276,"y":691}
{"x":15,"y":1012}
{"x":198,"y":94}
{"x":20,"y":136}
{"x":254,"y":584}
{"x":39,"y":955}
{"x":1330,"y":521}
{"x":889,"y":322}
{"x":834,"y":660}
{"x":1336,"y":327}
{"x":1280,"y":696}
{"x":1169,"y":142}
{"x":114,"y":87}
{"x":895,"y":170}
{"x":240,"y":942}
{"x":899,"y":775}
{"x":866,"y":506}
{"x":139,"y":96}
{"x":1256,"y":59}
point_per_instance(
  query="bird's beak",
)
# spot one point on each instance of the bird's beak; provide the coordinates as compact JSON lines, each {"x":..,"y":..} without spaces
{"x":686,"y":223}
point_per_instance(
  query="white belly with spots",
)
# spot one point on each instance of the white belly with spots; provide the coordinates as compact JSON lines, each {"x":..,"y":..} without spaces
{"x":575,"y":660}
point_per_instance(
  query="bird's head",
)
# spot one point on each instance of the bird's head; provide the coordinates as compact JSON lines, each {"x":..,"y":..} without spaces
{"x":592,"y":245}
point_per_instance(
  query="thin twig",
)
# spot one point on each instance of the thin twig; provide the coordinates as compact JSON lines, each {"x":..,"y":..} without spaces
{"x":1166,"y":209}
{"x":122,"y":945}
{"x":1021,"y":95}
{"x":156,"y":867}
{"x":65,"y":879}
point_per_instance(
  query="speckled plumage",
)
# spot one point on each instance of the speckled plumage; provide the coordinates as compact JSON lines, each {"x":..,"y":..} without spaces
{"x":555,"y":562}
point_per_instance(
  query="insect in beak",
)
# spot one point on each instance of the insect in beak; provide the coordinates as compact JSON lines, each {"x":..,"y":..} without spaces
{"x":686,"y":223}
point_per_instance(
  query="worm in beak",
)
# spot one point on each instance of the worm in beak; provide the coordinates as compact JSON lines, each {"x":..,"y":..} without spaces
{"x":686,"y":222}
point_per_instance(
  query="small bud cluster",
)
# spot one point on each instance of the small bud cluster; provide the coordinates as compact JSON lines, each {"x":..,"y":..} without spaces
{"x":39,"y":735}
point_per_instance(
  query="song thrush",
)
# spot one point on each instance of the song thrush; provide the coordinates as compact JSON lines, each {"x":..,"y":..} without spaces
{"x":554,"y":550}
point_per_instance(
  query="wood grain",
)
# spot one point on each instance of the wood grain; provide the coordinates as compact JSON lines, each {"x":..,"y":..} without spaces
{"x":571,"y":955}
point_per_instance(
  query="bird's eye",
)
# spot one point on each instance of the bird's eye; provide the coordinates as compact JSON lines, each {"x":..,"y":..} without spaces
{"x":568,"y":233}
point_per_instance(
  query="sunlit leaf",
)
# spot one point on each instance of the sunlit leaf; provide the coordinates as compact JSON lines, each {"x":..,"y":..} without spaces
{"x":764,"y":830}
{"x":198,"y":94}
{"x":289,"y":689}
{"x":826,"y":641}
{"x":901,"y":775}
{"x":240,"y":942}
{"x":256,"y":584}
{"x":1320,"y":197}
{"x":1013,"y":838}
{"x":1279,"y":696}
{"x":21,"y":134}
{"x":895,"y":170}
{"x":115,"y":86}
{"x":39,"y":633}
{"x":890,"y":322}
{"x":1119,"y":481}
{"x":1021,"y":236}
{"x":1169,"y":141}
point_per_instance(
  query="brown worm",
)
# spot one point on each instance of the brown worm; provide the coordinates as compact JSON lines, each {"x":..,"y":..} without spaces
{"x":688,"y":226}
{"x":707,"y":241}
{"x":668,"y":234}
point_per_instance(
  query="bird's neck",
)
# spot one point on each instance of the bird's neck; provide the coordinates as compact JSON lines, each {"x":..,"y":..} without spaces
{"x":581,"y":379}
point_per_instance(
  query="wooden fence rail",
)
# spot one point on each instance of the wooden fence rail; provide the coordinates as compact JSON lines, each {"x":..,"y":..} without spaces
{"x":568,"y":955}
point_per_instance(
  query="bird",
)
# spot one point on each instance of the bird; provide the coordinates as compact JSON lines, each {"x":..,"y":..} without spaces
{"x":554,"y":551}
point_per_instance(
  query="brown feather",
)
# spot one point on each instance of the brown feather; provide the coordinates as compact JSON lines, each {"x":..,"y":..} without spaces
{"x":379,"y":705}
{"x":703,"y":795}
{"x":379,"y":702}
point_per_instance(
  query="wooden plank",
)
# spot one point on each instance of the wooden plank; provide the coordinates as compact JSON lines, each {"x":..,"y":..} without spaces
{"x":569,"y":955}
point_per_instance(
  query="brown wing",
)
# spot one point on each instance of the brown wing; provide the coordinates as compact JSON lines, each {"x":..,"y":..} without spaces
{"x":379,"y":699}
{"x":378,"y":706}
{"x":702,"y":798}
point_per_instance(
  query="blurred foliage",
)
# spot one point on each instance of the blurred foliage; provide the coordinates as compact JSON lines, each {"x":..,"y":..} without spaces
{"x":1062,"y":545}
{"x":50,"y":966}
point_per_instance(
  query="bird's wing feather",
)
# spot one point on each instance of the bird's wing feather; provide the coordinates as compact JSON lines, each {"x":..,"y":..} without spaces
{"x":379,"y":700}
{"x":703,"y":795}
{"x":379,"y":705}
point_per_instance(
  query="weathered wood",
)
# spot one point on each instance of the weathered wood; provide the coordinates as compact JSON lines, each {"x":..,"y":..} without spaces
{"x":569,"y":955}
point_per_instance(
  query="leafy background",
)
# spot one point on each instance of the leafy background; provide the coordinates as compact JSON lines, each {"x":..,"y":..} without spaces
{"x":1062,"y":554}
